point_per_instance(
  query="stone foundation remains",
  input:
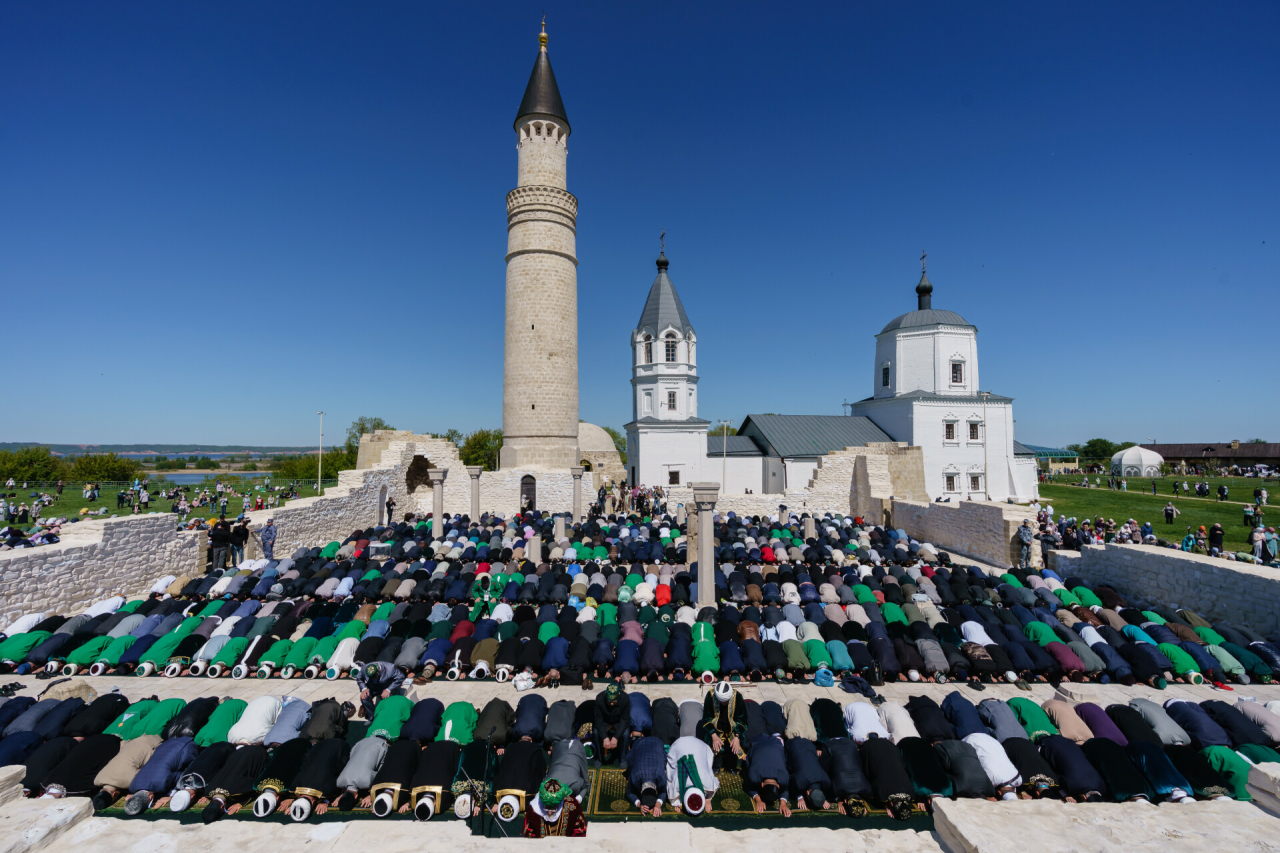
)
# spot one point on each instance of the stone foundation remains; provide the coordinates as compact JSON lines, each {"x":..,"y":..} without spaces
{"x":1217,"y":589}
{"x":96,"y":560}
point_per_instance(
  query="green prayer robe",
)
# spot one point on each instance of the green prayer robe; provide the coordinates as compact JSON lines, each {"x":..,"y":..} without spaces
{"x":220,"y":722}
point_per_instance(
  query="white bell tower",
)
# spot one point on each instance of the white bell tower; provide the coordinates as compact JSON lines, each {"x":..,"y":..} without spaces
{"x":666,"y":441}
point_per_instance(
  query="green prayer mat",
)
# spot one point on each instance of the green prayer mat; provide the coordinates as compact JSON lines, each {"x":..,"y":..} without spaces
{"x":731,"y":808}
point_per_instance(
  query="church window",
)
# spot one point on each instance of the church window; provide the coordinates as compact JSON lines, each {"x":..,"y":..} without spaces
{"x":884,"y":376}
{"x":671,"y":400}
{"x":957,"y":373}
{"x":973,"y":432}
{"x":648,"y":349}
{"x":671,"y":347}
{"x":950,"y":433}
{"x":951,"y":482}
{"x":975,"y":483}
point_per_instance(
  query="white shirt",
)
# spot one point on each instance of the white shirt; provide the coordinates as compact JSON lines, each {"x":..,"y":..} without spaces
{"x":995,"y":761}
{"x":897,"y":719}
{"x":702,"y":758}
{"x":24,"y":624}
{"x":862,"y":721}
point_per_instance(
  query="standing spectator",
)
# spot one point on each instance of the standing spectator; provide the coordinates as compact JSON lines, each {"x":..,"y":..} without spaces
{"x":59,"y":490}
{"x":1025,"y":537}
{"x":144,"y":497}
{"x":1222,"y":492}
{"x":219,"y":541}
{"x":269,"y":539}
{"x":391,"y":507}
{"x":1170,"y":512}
{"x":239,"y":536}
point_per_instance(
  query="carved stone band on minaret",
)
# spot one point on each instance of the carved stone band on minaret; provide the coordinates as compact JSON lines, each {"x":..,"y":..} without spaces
{"x":542,"y":204}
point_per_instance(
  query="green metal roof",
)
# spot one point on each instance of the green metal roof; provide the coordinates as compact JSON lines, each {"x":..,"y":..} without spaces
{"x":810,"y":435}
{"x":1046,"y":452}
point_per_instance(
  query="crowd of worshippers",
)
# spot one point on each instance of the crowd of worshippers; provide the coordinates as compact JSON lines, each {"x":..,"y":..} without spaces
{"x":529,"y":765}
{"x":864,"y":622}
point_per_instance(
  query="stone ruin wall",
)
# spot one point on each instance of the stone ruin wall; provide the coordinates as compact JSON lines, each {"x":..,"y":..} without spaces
{"x":1236,"y":593}
{"x":358,"y":501}
{"x":96,"y":560}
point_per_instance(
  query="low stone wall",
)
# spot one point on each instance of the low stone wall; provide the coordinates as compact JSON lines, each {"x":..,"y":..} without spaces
{"x":359,"y":499}
{"x":1236,"y":593}
{"x":95,"y":560}
{"x":982,"y":530}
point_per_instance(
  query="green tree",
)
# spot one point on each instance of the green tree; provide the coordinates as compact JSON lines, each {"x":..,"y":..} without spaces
{"x":1098,"y":448}
{"x":619,"y":442}
{"x":481,"y":448}
{"x":32,"y":464}
{"x":103,"y":466}
{"x":250,"y":466}
{"x":1256,"y":441}
{"x":454,"y":436}
{"x":722,"y":429}
{"x":303,"y":466}
{"x":361,"y":426}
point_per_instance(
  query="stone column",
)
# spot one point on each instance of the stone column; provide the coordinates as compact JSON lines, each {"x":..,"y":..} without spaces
{"x":810,"y":528}
{"x":437,"y":476}
{"x":704,"y":496}
{"x":474,"y":471}
{"x":559,"y":528}
{"x":533,"y":550}
{"x":680,"y":516}
{"x":576,"y":471}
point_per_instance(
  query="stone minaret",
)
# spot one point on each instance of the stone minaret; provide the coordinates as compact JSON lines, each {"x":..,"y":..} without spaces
{"x":540,"y":367}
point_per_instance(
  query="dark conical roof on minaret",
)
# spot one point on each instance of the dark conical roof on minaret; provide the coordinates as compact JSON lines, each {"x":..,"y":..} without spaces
{"x":542,"y":95}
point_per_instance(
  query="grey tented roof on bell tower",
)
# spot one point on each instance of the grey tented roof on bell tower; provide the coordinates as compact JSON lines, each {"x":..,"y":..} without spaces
{"x":663,"y":308}
{"x":542,"y":95}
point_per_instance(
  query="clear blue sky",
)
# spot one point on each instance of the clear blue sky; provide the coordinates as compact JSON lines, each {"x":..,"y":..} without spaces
{"x":217,"y":218}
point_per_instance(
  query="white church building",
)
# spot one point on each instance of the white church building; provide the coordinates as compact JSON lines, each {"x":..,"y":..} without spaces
{"x":925,"y":381}
{"x":925,"y":395}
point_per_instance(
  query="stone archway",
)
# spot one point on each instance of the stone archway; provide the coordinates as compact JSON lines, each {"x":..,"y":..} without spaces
{"x":586,"y":465}
{"x":382,"y":507}
{"x":528,"y":493}
{"x":416,"y":476}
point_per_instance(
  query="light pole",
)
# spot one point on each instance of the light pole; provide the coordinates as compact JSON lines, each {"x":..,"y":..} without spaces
{"x":986,"y":488}
{"x":320,"y":456}
{"x":724,"y":456}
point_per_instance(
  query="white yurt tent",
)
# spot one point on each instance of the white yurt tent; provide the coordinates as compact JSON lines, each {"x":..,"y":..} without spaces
{"x":1136,"y":462}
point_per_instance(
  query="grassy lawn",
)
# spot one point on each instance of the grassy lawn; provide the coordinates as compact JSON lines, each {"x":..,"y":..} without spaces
{"x":71,"y":502}
{"x":1238,"y":488}
{"x":1081,"y":503}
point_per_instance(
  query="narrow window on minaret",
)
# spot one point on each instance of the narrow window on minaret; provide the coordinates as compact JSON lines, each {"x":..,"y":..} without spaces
{"x":671,"y":348}
{"x":671,"y":400}
{"x":648,"y":349}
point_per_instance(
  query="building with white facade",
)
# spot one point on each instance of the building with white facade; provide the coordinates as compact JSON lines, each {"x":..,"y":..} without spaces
{"x":925,"y":380}
{"x":668,"y":444}
{"x":666,"y":440}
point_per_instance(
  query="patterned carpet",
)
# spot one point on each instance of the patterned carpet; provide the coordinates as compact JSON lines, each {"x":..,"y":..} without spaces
{"x":731,"y":808}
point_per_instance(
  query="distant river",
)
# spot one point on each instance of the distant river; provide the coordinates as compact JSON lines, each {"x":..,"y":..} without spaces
{"x":192,"y":479}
